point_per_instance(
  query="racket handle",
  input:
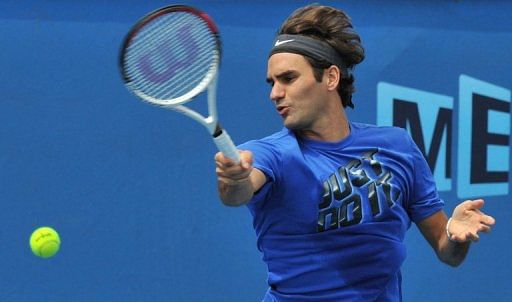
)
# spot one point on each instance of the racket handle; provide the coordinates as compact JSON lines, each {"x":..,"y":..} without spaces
{"x":226,"y":146}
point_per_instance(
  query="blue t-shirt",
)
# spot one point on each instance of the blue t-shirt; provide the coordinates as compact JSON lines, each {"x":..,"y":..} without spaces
{"x":332,"y":217}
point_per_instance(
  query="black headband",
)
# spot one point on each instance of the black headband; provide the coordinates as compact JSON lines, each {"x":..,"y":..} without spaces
{"x":310,"y":47}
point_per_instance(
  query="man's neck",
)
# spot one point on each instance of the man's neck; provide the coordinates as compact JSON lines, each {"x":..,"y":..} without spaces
{"x":332,"y":129}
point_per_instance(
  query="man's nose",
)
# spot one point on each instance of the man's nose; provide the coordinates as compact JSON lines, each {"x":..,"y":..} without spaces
{"x":277,"y":92}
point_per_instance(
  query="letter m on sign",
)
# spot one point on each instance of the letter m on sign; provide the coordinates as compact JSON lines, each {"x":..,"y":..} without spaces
{"x":427,"y":117}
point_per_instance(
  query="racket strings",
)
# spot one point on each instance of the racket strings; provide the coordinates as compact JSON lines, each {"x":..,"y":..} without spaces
{"x":152,"y":38}
{"x":171,"y":55}
{"x":162,"y":58}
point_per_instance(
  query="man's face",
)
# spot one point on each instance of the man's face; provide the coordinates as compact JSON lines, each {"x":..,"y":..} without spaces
{"x":299,"y":98}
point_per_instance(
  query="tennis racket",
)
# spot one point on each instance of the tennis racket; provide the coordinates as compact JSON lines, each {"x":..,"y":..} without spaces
{"x":170,"y":56}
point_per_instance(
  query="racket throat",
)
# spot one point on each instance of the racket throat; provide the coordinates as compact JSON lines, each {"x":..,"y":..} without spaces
{"x":218,"y":131}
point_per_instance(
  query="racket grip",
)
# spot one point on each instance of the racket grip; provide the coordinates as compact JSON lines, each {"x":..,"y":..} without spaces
{"x":226,"y":146}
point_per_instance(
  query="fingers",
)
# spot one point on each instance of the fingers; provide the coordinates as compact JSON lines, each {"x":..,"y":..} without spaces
{"x":230,"y":172}
{"x":222,"y":160}
{"x":484,"y":228}
{"x":470,"y":210}
{"x":245,"y":159}
{"x":473,"y":237}
{"x":468,"y":229}
{"x":473,"y":204}
{"x":488,"y":220}
{"x":481,"y":217}
{"x":465,"y":237}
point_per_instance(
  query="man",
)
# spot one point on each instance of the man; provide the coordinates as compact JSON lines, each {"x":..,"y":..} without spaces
{"x":332,"y":199}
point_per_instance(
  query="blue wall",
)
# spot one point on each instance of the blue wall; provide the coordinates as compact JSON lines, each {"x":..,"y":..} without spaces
{"x":131,"y":188}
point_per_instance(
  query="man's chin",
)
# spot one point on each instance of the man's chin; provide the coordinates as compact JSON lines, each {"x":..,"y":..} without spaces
{"x":292,"y":126}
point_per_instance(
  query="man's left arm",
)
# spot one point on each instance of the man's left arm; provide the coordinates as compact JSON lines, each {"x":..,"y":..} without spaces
{"x":450,"y":238}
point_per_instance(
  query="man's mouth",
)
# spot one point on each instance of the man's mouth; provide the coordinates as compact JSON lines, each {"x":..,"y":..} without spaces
{"x":282,"y":110}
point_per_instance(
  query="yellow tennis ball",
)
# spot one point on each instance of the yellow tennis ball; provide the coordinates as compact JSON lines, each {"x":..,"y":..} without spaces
{"x":45,"y":242}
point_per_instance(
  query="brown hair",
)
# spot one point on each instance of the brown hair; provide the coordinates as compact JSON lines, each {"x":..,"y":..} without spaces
{"x":333,"y":26}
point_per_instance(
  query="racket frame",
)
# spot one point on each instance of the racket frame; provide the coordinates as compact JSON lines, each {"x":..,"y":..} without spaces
{"x":209,"y":82}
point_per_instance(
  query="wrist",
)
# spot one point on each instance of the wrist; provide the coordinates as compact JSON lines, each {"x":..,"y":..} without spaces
{"x":448,"y":234}
{"x":240,"y":182}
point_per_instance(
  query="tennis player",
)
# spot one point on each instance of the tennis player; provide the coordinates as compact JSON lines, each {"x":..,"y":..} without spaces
{"x":332,"y":199}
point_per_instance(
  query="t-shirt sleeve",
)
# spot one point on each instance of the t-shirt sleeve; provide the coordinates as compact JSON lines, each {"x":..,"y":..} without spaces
{"x":424,"y":199}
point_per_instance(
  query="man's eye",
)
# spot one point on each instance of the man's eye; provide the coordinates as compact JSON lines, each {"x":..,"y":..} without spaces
{"x":288,"y":79}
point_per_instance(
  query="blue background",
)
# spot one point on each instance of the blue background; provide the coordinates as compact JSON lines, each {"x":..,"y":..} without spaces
{"x":131,"y":188}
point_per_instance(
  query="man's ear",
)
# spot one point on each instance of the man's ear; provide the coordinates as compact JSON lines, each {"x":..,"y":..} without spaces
{"x":333,"y":77}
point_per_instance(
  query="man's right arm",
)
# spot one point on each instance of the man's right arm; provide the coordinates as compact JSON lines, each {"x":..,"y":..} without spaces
{"x":237,"y":182}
